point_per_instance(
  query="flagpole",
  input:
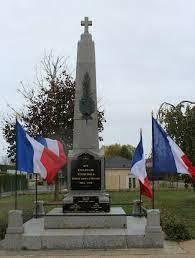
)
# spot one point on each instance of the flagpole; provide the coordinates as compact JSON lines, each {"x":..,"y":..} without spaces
{"x":152,"y":191}
{"x":152,"y":166}
{"x":140,"y":193}
{"x":36,"y":196}
{"x":16,"y":193}
{"x":140,"y":200}
{"x":16,"y":177}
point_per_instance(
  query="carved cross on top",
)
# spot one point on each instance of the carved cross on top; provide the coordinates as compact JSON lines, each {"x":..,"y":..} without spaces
{"x":86,"y":23}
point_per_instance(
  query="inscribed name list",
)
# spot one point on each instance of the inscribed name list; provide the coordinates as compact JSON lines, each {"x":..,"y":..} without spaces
{"x":86,"y":175}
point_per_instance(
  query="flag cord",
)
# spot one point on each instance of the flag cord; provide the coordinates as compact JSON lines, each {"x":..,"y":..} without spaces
{"x":36,"y":196}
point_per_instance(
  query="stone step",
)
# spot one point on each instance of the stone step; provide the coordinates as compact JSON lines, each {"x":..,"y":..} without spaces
{"x":56,"y":219}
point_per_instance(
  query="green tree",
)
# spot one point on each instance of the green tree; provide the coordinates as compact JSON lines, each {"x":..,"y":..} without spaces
{"x":178,"y":124}
{"x":125,"y":151}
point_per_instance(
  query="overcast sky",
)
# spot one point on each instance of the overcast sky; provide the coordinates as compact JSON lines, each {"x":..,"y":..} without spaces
{"x":145,"y":54}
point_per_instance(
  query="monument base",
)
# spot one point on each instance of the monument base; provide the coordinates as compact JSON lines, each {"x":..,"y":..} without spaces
{"x":87,"y":202}
{"x":56,"y":219}
{"x":140,"y":232}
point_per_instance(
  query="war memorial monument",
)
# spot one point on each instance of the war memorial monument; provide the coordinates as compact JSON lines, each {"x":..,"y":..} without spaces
{"x":86,"y":218}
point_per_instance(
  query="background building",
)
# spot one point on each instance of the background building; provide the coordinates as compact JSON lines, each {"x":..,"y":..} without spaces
{"x":118,"y":176}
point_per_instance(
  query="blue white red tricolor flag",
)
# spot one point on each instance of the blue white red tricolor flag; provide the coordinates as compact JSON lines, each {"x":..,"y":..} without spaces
{"x":167,"y":155}
{"x":44,"y":156}
{"x":138,"y":168}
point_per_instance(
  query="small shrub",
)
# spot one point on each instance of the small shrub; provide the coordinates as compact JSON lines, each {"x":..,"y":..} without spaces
{"x":174,"y":228}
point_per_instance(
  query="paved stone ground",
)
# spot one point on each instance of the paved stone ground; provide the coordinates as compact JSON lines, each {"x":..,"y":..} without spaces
{"x":171,"y":250}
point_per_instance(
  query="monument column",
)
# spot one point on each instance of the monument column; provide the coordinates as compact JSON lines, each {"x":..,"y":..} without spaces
{"x":86,"y":174}
{"x":85,"y":128}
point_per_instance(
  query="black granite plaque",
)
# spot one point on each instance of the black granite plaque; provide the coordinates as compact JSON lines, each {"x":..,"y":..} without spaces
{"x":86,"y":173}
{"x":86,"y":204}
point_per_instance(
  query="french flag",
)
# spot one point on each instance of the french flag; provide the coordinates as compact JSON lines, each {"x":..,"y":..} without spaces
{"x":167,"y":155}
{"x":44,"y":157}
{"x":138,"y":168}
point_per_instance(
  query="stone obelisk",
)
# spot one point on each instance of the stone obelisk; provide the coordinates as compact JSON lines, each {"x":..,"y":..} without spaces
{"x":85,"y":132}
{"x":86,"y":175}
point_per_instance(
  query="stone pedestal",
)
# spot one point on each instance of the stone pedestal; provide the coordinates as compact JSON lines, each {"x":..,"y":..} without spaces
{"x":86,"y":183}
{"x":154,"y":236}
{"x":116,"y":218}
{"x":39,"y":209}
{"x":137,"y":208}
{"x":15,"y":222}
{"x":13,"y":237}
{"x":88,"y":202}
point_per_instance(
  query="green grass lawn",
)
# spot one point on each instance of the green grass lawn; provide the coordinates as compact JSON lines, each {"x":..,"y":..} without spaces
{"x":181,"y":203}
{"x":25,"y":202}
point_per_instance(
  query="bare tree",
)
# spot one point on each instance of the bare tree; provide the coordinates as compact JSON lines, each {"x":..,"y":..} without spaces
{"x":48,"y":106}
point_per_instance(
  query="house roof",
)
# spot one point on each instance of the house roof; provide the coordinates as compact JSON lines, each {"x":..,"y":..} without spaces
{"x":117,"y":162}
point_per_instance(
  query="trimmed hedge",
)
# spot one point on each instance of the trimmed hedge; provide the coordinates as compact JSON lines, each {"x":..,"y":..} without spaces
{"x":7,"y":167}
{"x":8,"y":182}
